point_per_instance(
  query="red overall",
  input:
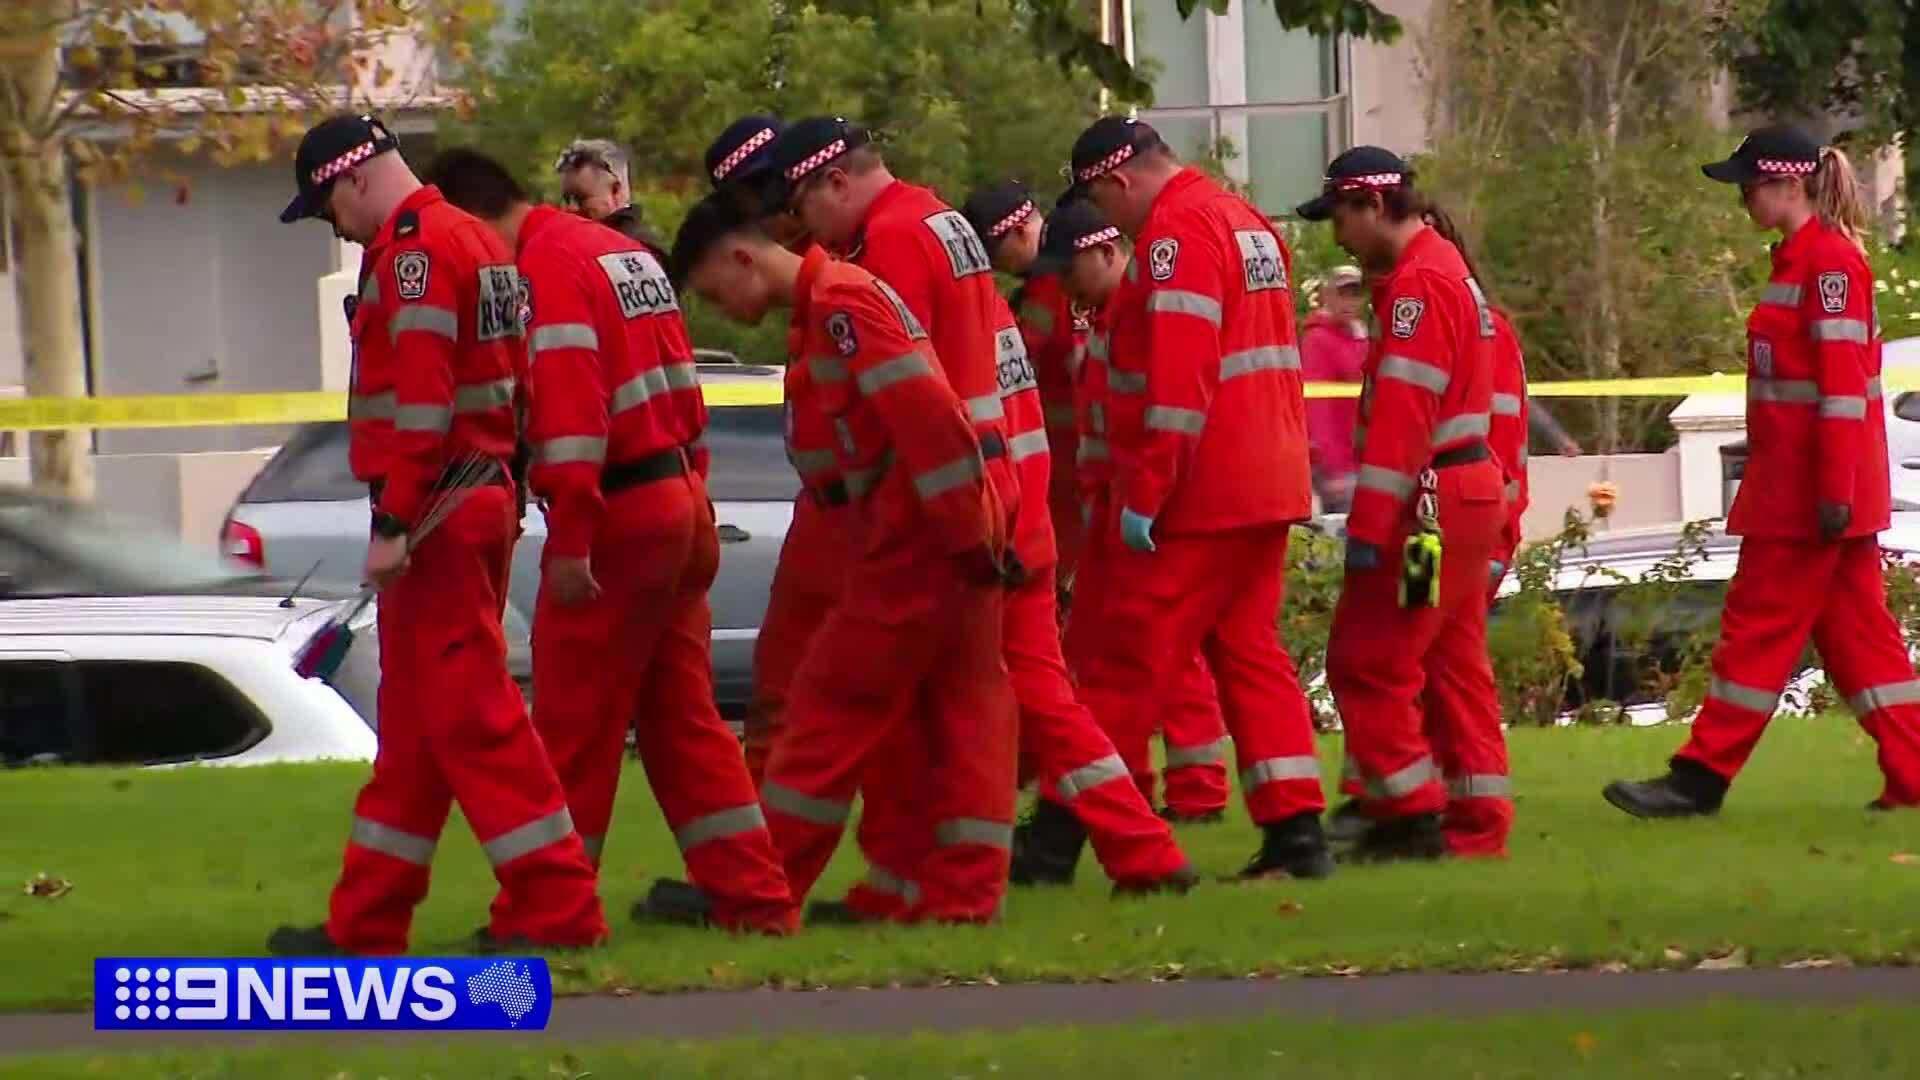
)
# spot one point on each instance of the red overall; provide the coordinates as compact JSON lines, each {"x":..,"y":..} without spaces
{"x":1816,"y":432}
{"x":915,"y":639}
{"x":1425,"y":406}
{"x":1054,"y":334}
{"x":436,"y":335}
{"x":616,"y":409}
{"x":1507,"y":434}
{"x":1208,"y":437}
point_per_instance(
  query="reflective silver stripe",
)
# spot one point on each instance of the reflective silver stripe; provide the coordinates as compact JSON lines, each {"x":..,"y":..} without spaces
{"x":1460,"y":427}
{"x":1506,"y":404}
{"x":1373,"y":477}
{"x":1181,"y":757}
{"x":1182,"y":302}
{"x":594,"y":845}
{"x":481,"y":397}
{"x":1417,"y":372}
{"x":1040,"y":318}
{"x":1276,"y":769}
{"x":423,"y":418}
{"x":433,"y":320}
{"x":1059,"y":415}
{"x":1405,"y":782}
{"x":953,"y":475}
{"x":881,"y":880}
{"x":370,"y":406}
{"x":570,"y":335}
{"x":986,"y":408}
{"x":1873,"y":387}
{"x":1026,"y":444}
{"x":529,"y":838}
{"x":1843,"y":407}
{"x":1839,"y":330}
{"x":1783,"y":391}
{"x":828,"y":369}
{"x":1884,"y":696}
{"x":1092,"y":775}
{"x":570,"y":448}
{"x":1169,"y":418}
{"x":719,"y":825}
{"x":1743,"y":697}
{"x":1781,"y":294}
{"x":652,"y":382}
{"x":1480,"y":786}
{"x":1127,"y":382}
{"x":966,"y":830}
{"x":1097,"y":416}
{"x":1076,"y":359}
{"x":805,"y":807}
{"x":861,"y":482}
{"x":387,"y":840}
{"x":1264,"y":358}
{"x":1513,"y":490}
{"x":1092,"y":448}
{"x":807,"y":462}
{"x":1097,"y":346}
{"x":887,"y":372}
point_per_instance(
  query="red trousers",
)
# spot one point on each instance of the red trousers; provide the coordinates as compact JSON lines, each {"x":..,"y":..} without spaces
{"x":1782,"y":592}
{"x":1399,"y":673}
{"x":638,"y":657}
{"x":910,"y":657}
{"x":1216,"y":595}
{"x":452,"y":727}
{"x":806,"y":585}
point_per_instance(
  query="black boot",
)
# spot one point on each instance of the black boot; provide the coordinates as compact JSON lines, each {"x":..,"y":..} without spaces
{"x":675,"y":902}
{"x":1296,"y":847}
{"x":1347,"y":824}
{"x":1413,"y":836}
{"x":836,"y":913}
{"x":1205,"y":817}
{"x":1181,"y":881}
{"x":303,"y":941}
{"x":1046,"y":846}
{"x":1689,"y":789}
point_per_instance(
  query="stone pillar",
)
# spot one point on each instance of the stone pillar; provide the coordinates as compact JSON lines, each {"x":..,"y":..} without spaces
{"x":1705,"y":423}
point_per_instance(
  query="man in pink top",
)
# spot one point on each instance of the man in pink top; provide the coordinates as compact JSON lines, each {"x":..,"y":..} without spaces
{"x":1333,"y":348}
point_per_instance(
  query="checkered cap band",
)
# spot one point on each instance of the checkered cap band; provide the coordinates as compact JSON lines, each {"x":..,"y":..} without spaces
{"x":1371,"y":180}
{"x":1011,"y":221}
{"x":1786,"y":168}
{"x":741,"y":153}
{"x":1106,"y":164}
{"x":342,"y":163}
{"x":818,"y":158}
{"x":1101,"y":237}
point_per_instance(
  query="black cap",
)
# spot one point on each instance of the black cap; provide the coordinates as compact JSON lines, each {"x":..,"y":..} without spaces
{"x":999,"y":209}
{"x":1778,"y":150}
{"x":1363,"y":168}
{"x":1108,"y":143}
{"x":710,"y":220}
{"x":744,"y":150}
{"x":809,"y":146}
{"x":1073,"y":228}
{"x":329,"y":149}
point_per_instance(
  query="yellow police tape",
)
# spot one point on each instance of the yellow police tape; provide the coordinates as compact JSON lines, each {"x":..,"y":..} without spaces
{"x":300,"y":407}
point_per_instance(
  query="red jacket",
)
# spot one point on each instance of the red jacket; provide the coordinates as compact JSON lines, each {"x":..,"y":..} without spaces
{"x":1507,"y":431}
{"x":1816,"y":426}
{"x":613,"y":379}
{"x":1332,"y":351}
{"x":1429,"y":385}
{"x":1052,"y":329}
{"x":436,"y":351}
{"x":932,"y":260}
{"x":1092,"y":403}
{"x":905,"y":444}
{"x":1204,"y":369}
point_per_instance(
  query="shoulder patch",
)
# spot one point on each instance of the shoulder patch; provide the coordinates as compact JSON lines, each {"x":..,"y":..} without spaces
{"x":639,"y":284}
{"x":840,"y":329}
{"x":1261,"y":266}
{"x":410,"y":272}
{"x":1160,"y":256}
{"x":915,"y":331}
{"x":1406,"y":315}
{"x":498,"y":313}
{"x":1480,"y":304}
{"x":1833,"y":292}
{"x":966,"y":254}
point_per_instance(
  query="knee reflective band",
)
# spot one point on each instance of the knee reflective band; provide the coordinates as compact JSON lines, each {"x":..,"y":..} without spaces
{"x":1885,"y":696}
{"x":956,"y":831}
{"x":1276,"y":769}
{"x":805,"y":807}
{"x":719,"y":825}
{"x":1405,"y":782}
{"x":387,"y":840}
{"x":1090,"y":776}
{"x":1480,"y":786}
{"x":1743,"y":697}
{"x":881,"y":881}
{"x":529,"y":838}
{"x":1180,"y":757}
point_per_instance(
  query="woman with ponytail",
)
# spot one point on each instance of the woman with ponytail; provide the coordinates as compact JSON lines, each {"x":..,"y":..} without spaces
{"x":1815,"y":495}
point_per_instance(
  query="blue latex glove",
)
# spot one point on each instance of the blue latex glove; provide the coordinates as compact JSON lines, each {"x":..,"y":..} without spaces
{"x":1362,"y":555}
{"x":1496,"y":570}
{"x":1136,"y":531}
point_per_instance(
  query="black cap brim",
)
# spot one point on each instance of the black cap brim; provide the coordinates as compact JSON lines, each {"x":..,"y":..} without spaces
{"x":1316,"y":209}
{"x":1731,"y":171}
{"x":304,"y":205}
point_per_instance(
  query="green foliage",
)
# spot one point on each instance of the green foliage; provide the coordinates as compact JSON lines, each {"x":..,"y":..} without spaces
{"x":1314,"y":573}
{"x":1792,"y":57}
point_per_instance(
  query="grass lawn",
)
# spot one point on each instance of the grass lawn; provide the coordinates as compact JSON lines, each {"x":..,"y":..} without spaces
{"x":1718,"y":1040}
{"x":206,"y":861}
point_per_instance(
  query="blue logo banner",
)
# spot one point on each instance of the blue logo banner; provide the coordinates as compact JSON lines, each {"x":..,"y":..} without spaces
{"x":409,"y":993}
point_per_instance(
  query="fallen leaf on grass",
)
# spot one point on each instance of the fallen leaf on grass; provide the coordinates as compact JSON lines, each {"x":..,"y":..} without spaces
{"x":1816,"y":850}
{"x":1080,"y":939}
{"x":623,"y":991}
{"x":1343,"y":972}
{"x":721,"y":970}
{"x":1584,"y":1043}
{"x":1817,"y":963}
{"x":1289,"y":907}
{"x":1730,"y":962}
{"x":1673,"y":955}
{"x":1907,"y":858}
{"x":1613,"y":967}
{"x":47,"y":887}
{"x":1160,"y":931}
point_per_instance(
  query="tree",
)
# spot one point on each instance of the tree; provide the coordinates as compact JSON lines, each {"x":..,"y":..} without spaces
{"x":90,"y":88}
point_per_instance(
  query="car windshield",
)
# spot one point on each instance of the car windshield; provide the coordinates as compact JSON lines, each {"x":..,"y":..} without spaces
{"x":49,"y":547}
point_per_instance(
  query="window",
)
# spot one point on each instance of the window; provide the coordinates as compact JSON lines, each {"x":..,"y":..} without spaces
{"x":311,"y":467}
{"x":112,"y":712}
{"x":749,"y":450}
{"x":1175,"y":51}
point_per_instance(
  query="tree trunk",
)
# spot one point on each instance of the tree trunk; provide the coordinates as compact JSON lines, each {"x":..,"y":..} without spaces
{"x":48,"y":278}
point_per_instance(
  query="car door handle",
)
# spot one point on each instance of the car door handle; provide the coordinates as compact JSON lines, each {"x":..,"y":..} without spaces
{"x":734,"y":534}
{"x":1910,"y":463}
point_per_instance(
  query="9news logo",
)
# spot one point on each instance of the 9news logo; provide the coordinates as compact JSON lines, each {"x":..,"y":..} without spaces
{"x":388,"y":994}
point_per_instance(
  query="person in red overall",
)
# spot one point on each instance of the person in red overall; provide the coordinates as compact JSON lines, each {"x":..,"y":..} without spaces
{"x":1398,"y":668}
{"x":1055,"y":330}
{"x":1333,"y":348}
{"x":437,"y":348}
{"x":621,"y":634}
{"x":930,"y":257}
{"x":1209,"y":442}
{"x":1816,"y":492}
{"x":923,"y":591}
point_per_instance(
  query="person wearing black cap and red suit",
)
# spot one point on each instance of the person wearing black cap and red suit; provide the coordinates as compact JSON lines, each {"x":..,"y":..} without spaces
{"x":1816,"y":492}
{"x":1209,"y":441}
{"x":437,"y":345}
{"x":929,"y":255}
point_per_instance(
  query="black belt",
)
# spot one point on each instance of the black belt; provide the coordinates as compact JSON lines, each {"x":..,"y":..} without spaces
{"x":500,"y":477}
{"x":1461,"y":455}
{"x":831,"y":493}
{"x":992,"y":446}
{"x":631,"y":474}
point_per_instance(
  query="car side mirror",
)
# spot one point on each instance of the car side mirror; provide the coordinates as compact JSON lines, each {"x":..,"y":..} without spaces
{"x":1907,"y":406}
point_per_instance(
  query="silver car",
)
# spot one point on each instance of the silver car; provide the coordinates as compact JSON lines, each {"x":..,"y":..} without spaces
{"x":305,"y":514}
